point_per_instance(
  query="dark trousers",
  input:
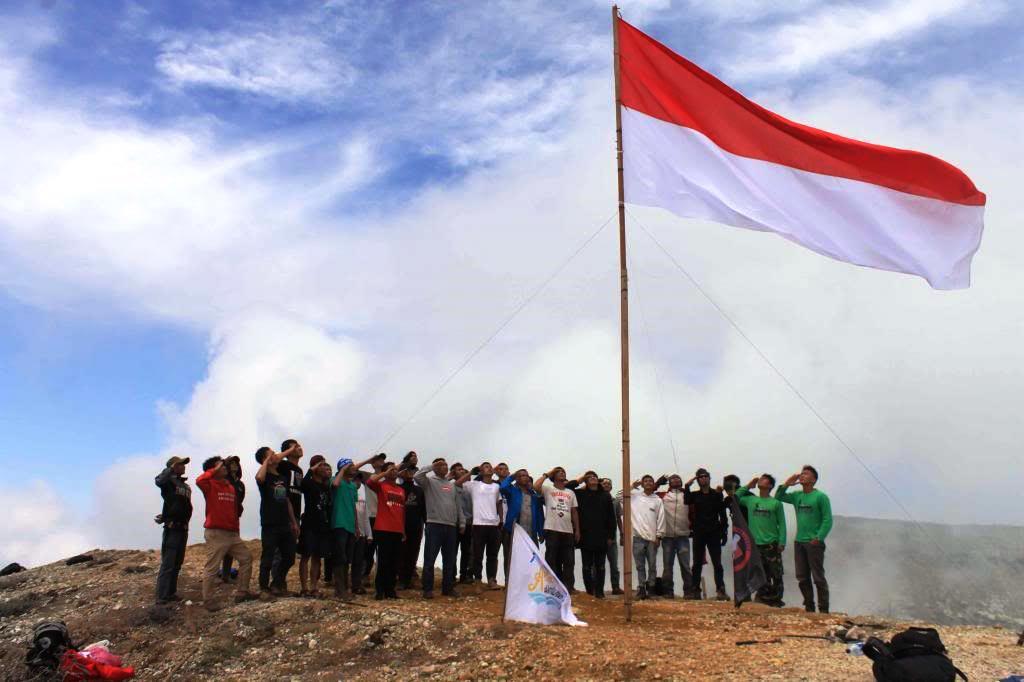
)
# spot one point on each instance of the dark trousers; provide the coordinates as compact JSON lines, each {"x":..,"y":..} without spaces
{"x":466,"y":554}
{"x":276,"y":540}
{"x":810,"y":565}
{"x":771,"y":560}
{"x":712,"y":542}
{"x":389,"y":544}
{"x":486,"y":539}
{"x":371,"y":549}
{"x":612,"y":554}
{"x":443,"y":539}
{"x":344,"y":547}
{"x":172,"y":554}
{"x":560,"y":553}
{"x":225,"y":568}
{"x":359,"y":552}
{"x":410,"y":552}
{"x":593,"y":569}
{"x":506,"y":550}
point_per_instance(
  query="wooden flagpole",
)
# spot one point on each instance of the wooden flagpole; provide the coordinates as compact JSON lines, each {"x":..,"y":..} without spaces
{"x":627,"y":520}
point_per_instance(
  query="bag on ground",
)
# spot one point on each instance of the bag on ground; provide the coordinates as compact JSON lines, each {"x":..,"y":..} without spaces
{"x":914,"y":655}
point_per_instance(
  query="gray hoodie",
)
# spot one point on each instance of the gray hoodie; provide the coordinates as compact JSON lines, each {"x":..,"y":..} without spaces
{"x":677,"y":514}
{"x":441,"y":497}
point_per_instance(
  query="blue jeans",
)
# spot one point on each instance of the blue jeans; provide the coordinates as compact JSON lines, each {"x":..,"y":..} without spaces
{"x":645,"y":555}
{"x":675,"y":550}
{"x":444,"y":539}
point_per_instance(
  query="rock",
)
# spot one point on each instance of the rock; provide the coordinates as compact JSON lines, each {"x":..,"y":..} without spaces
{"x":11,"y":569}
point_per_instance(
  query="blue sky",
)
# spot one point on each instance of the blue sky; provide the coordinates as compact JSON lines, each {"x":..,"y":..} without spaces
{"x":223,"y":224}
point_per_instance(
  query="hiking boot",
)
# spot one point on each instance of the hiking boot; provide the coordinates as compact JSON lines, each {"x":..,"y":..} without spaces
{"x":599,"y":594}
{"x":809,"y":608}
{"x":721,"y":596}
{"x":391,"y":594}
{"x":247,"y":596}
{"x":692,"y":595}
{"x":493,"y":585}
{"x":265,"y":595}
{"x":641,"y":592}
{"x":428,"y":595}
{"x":616,"y":589}
{"x":451,"y":593}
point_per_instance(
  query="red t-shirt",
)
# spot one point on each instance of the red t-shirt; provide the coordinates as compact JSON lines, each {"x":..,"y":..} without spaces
{"x":221,"y":510}
{"x":390,"y":506}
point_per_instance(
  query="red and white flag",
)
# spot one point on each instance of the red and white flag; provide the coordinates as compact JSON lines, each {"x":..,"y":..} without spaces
{"x":696,"y":147}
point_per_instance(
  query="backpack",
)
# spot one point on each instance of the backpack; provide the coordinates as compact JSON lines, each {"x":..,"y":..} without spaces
{"x":50,"y":639}
{"x":914,"y":655}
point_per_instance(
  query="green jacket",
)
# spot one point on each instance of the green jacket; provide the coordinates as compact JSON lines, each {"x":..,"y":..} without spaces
{"x":765,"y":517}
{"x":813,"y":513}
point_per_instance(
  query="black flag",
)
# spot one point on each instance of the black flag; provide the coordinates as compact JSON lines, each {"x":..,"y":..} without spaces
{"x":747,"y":570}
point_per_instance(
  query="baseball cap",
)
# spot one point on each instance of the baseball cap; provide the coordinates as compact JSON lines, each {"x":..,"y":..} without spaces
{"x":178,"y":460}
{"x":343,"y":462}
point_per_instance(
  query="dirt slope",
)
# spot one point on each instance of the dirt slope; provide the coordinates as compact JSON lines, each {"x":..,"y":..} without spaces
{"x":111,"y":598}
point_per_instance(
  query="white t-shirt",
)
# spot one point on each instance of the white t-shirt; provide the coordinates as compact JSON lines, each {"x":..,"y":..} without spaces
{"x":558,"y":506}
{"x":485,"y":498}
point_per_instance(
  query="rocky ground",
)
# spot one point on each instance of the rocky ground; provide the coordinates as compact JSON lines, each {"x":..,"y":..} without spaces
{"x":292,"y":638}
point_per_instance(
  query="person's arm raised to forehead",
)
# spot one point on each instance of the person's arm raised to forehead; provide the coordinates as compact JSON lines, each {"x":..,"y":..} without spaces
{"x":538,"y":485}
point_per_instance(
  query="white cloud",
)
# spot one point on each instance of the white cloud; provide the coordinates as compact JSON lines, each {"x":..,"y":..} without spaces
{"x":38,"y":527}
{"x":280,"y":63}
{"x":850,"y":30}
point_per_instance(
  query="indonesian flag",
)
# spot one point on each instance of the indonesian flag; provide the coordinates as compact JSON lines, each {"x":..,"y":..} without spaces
{"x":696,"y":147}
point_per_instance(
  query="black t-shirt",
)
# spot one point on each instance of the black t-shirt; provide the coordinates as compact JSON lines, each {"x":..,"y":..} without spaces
{"x":274,"y":500}
{"x":414,"y":503}
{"x":293,"y":479}
{"x":318,"y":504}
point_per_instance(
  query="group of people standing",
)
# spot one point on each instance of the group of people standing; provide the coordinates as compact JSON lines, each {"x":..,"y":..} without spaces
{"x":342,"y":520}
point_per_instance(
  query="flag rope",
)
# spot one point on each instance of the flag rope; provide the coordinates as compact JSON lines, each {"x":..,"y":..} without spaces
{"x":508,"y":319}
{"x":778,"y":372}
{"x":654,"y":365}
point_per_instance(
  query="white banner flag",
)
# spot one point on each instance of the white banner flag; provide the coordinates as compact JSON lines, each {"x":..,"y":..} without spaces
{"x":533,"y":593}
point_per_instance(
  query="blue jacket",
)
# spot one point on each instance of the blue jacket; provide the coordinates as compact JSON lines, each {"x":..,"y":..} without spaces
{"x":514,"y":495}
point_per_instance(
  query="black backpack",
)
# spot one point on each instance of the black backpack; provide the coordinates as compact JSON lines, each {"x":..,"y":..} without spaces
{"x":914,"y":655}
{"x":50,"y":639}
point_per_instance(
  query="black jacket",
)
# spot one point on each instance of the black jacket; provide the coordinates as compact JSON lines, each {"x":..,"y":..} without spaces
{"x":597,"y":518}
{"x":709,"y":511}
{"x":177,"y":496}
